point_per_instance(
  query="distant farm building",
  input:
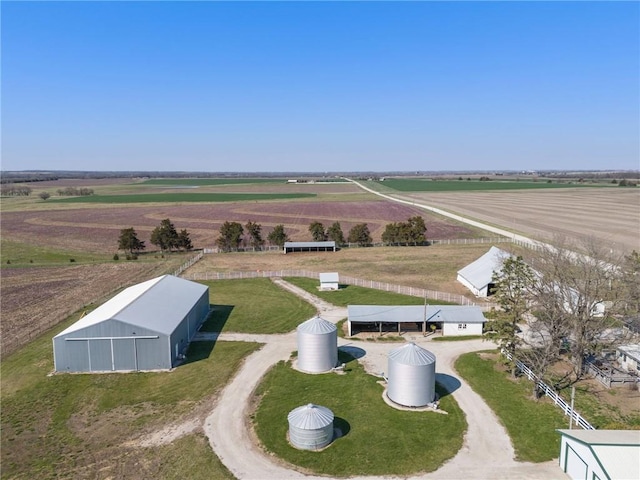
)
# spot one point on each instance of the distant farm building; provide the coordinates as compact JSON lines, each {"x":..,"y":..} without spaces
{"x":329,"y":281}
{"x":478,"y":275}
{"x":600,"y":454}
{"x":329,"y":246}
{"x":628,"y":356}
{"x":451,"y":319}
{"x":145,"y":327}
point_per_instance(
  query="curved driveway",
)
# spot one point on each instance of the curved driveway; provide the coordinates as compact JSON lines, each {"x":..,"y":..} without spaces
{"x":487,"y":452}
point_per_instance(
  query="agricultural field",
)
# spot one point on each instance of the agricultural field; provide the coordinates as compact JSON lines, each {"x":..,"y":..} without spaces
{"x":461,"y":185}
{"x":610,"y":214}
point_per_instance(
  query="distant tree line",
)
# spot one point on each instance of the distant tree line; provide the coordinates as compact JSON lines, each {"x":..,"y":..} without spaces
{"x":73,"y":191}
{"x":13,"y":190}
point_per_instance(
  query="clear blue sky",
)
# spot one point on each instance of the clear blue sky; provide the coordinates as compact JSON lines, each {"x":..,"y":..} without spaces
{"x":320,"y":86}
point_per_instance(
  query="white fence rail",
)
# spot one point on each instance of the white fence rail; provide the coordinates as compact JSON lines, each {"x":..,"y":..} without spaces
{"x":388,"y":287}
{"x":550,"y":392}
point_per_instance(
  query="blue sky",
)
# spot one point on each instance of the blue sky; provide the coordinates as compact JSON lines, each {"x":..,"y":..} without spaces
{"x":320,"y":86}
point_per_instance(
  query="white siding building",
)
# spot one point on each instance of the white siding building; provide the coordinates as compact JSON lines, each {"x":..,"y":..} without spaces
{"x":478,"y":275}
{"x":329,"y":281}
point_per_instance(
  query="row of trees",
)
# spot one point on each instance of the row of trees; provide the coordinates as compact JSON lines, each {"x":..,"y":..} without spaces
{"x":74,"y":192}
{"x":13,"y":190}
{"x":551,"y":306}
{"x":165,"y":237}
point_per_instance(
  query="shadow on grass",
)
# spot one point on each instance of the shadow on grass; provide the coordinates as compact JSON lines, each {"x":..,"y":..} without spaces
{"x":198,"y":351}
{"x":350,"y":353}
{"x":447,"y":383}
{"x":218,"y":316}
{"x":341,"y":427}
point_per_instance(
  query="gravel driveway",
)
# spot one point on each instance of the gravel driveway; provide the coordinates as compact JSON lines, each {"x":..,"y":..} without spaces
{"x":486,"y":453}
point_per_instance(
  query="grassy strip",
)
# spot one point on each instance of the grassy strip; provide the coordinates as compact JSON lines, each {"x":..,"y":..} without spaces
{"x":182,"y":197}
{"x":428,"y":185}
{"x":18,"y":253}
{"x":354,"y":295}
{"x":254,"y":305}
{"x":75,"y":425}
{"x":456,"y":338}
{"x":531,"y":424}
{"x":377,"y":439}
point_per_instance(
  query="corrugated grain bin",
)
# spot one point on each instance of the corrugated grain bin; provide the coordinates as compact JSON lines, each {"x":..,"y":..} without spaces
{"x":317,"y":345}
{"x":310,"y":427}
{"x":411,"y":376}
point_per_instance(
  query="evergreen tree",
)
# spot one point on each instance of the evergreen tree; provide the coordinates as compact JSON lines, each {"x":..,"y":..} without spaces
{"x":317,"y":232}
{"x":255,"y":232}
{"x":230,"y":236}
{"x":184,"y":240}
{"x":360,"y":234}
{"x":165,"y":236}
{"x":334,"y":232}
{"x":278,"y":236}
{"x":129,"y":242}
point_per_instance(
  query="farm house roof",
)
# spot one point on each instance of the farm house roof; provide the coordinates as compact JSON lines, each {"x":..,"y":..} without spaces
{"x":414,"y":313}
{"x":158,"y":304}
{"x":479,"y":273}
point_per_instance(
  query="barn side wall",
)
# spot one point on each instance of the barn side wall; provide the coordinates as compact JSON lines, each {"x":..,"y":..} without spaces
{"x":188,"y":327}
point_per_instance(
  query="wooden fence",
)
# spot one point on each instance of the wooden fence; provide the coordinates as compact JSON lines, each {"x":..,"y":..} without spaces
{"x":608,"y":377}
{"x":550,"y":392}
{"x":388,"y":287}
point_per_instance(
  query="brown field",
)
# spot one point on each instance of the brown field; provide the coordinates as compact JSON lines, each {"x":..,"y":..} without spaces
{"x":97,"y":229}
{"x":609,"y":214}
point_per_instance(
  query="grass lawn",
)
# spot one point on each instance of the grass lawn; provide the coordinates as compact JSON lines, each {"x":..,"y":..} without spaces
{"x":354,"y":295}
{"x":182,"y":197}
{"x":255,"y":305}
{"x":71,"y":426}
{"x":377,"y":439}
{"x":531,"y":424}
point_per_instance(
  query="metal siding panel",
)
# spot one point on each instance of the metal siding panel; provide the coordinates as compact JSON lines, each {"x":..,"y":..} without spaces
{"x":124,"y":354}
{"x":100,"y":355}
{"x":152,"y":353}
{"x":71,"y":356}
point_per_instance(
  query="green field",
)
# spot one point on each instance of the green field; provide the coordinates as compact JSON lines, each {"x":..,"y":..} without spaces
{"x":197,"y":182}
{"x":182,"y":197}
{"x":428,"y":185}
{"x":354,"y":295}
{"x":14,"y":254}
{"x":377,"y":439}
{"x":254,"y":305}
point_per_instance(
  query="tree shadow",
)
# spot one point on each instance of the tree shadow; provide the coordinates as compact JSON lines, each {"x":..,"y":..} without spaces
{"x":341,"y":427}
{"x":218,"y":316}
{"x":447,"y":384}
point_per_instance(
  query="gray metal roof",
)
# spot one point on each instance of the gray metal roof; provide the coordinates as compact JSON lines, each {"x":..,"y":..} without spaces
{"x":632,"y":350}
{"x":415,"y":313}
{"x":310,"y":417}
{"x":159,"y":304}
{"x":479,"y":273}
{"x":412,"y":354}
{"x":310,"y":244}
{"x":329,"y":277}
{"x":317,"y":325}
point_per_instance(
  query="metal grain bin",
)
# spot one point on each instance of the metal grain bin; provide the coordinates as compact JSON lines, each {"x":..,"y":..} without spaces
{"x":411,"y":376}
{"x":310,"y":427}
{"x":317,"y":345}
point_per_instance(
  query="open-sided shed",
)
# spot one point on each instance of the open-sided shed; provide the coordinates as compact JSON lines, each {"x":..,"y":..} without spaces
{"x":145,"y":327}
{"x":328,"y":246}
{"x":452,"y":319}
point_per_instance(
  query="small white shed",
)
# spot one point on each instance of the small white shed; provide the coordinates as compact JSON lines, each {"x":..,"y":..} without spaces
{"x":600,"y":454}
{"x":329,"y":281}
{"x":628,"y":357}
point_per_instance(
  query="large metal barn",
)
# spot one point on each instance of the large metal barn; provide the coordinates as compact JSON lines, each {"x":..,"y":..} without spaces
{"x":145,"y":327}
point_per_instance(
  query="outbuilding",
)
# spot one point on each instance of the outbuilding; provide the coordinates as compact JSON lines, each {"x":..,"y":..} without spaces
{"x":328,"y":246}
{"x":329,"y":281}
{"x":628,"y":357}
{"x":600,"y":454}
{"x":147,"y":326}
{"x":478,"y":275}
{"x":451,"y":319}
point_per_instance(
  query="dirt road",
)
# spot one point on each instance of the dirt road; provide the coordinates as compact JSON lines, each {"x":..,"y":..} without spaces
{"x":486,"y":453}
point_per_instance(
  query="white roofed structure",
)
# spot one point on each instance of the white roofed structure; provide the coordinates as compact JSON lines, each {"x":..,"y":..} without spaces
{"x":329,"y":281}
{"x":478,"y":275}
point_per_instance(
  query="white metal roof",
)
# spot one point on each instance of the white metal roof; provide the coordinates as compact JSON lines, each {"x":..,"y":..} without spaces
{"x":158,"y":304}
{"x":328,"y":243}
{"x":310,"y":417}
{"x":618,"y":451}
{"x":329,"y":277}
{"x":415,"y":313}
{"x":633,"y":350}
{"x":412,"y":354}
{"x":479,"y":273}
{"x":317,"y":325}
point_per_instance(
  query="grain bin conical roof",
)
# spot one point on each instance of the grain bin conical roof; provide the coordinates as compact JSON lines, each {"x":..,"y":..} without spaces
{"x":412,"y":354}
{"x":317,"y":325}
{"x":310,"y":417}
